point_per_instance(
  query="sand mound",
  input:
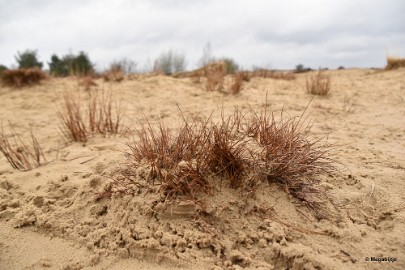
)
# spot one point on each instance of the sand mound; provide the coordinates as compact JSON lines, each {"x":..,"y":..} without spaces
{"x":61,"y":215}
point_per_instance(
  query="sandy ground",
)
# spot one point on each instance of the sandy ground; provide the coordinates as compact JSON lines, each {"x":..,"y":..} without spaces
{"x":51,"y":218}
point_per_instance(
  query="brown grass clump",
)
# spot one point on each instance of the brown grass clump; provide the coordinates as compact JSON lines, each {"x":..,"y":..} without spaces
{"x":215,"y":75}
{"x":114,"y":74}
{"x":395,"y":62}
{"x":104,"y":115}
{"x":22,"y":77}
{"x":237,"y":83}
{"x":244,"y":149}
{"x":87,"y":82}
{"x":319,"y":84}
{"x":288,"y":155}
{"x":176,"y":160}
{"x":71,"y":116}
{"x":22,"y":155}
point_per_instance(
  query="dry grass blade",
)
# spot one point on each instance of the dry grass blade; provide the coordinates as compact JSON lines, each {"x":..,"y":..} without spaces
{"x":318,"y":85}
{"x":21,"y":156}
{"x":71,"y":116}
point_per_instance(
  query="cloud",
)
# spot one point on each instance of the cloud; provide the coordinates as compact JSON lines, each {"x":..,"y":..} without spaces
{"x":257,"y":32}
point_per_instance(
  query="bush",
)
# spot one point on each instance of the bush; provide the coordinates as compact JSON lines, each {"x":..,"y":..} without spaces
{"x":77,"y":65}
{"x":300,"y":69}
{"x":394,"y":63}
{"x":28,"y":59}
{"x":230,"y":65}
{"x":2,"y":68}
{"x":58,"y":67}
{"x":22,"y":77}
{"x":117,"y":70}
{"x":170,"y":62}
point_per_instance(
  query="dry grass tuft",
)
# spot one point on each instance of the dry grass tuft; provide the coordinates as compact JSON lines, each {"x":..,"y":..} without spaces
{"x":394,"y":63}
{"x":19,"y":154}
{"x":22,"y":77}
{"x":215,"y":75}
{"x":87,"y":82}
{"x":237,"y":83}
{"x":319,"y":84}
{"x":114,"y":74}
{"x":244,"y":149}
{"x":104,"y":115}
{"x":71,"y":116}
{"x":176,"y":160}
{"x":288,"y":154}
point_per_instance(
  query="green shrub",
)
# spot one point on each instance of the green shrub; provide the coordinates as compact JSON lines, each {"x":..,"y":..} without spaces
{"x":70,"y":64}
{"x":58,"y":67}
{"x":2,"y":68}
{"x":28,"y":59}
{"x":230,"y":65}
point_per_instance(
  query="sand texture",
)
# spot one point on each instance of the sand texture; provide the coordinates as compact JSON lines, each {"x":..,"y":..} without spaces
{"x":53,"y":216}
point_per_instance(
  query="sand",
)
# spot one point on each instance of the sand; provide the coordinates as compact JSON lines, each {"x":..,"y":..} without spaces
{"x":52,"y":218}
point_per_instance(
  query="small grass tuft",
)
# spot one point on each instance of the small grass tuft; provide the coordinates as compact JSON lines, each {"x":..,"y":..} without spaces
{"x":22,"y":155}
{"x":104,"y":115}
{"x":320,"y":84}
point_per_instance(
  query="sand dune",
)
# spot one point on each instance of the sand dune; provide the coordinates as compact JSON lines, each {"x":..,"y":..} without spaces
{"x":52,"y":218}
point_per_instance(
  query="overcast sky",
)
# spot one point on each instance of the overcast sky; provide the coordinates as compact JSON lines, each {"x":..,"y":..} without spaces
{"x":275,"y":34}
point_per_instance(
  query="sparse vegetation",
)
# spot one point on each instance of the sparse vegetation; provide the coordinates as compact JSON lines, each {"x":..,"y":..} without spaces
{"x":394,"y":62}
{"x":319,"y":84}
{"x":22,"y":77}
{"x":21,"y":154}
{"x":104,"y":115}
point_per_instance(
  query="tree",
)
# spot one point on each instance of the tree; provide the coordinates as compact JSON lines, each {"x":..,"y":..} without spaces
{"x":170,"y":62}
{"x":3,"y":68}
{"x":81,"y":65}
{"x":58,"y":67}
{"x":28,"y":59}
{"x":230,"y":65}
{"x":71,"y":64}
{"x":207,"y":57}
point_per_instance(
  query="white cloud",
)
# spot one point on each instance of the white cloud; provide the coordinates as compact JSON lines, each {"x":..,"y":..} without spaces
{"x":256,"y":32}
